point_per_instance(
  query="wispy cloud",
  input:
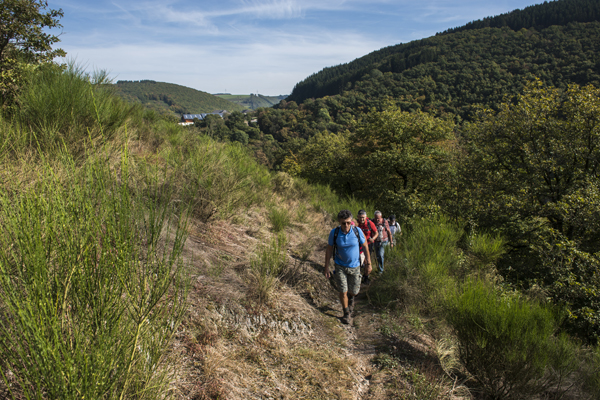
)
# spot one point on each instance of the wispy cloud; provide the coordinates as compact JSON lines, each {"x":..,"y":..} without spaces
{"x":249,"y":45}
{"x":270,"y":68}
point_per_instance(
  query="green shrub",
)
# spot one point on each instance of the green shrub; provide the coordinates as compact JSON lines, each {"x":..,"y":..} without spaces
{"x":90,"y":286}
{"x":486,"y":248}
{"x":505,"y":341}
{"x":60,"y":109}
{"x":215,"y":179}
{"x":268,"y":266}
{"x":591,"y":372}
{"x":419,"y":270}
{"x":283,"y":182}
{"x":280,"y":218}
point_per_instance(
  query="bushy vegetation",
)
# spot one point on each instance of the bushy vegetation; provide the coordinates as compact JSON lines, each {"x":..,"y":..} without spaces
{"x":95,"y":199}
{"x":57,"y":108}
{"x":91,"y":290}
{"x":268,"y":266}
{"x":509,"y":344}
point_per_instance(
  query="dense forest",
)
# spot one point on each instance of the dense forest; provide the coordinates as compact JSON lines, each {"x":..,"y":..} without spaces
{"x":171,"y":99}
{"x":452,"y":72}
{"x":519,"y":47}
{"x":557,"y":12}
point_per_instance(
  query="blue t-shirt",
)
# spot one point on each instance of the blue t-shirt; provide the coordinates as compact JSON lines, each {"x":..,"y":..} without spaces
{"x":347,"y":247}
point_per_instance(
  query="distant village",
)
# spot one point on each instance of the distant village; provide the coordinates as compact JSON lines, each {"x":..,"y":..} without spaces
{"x":188,"y":119}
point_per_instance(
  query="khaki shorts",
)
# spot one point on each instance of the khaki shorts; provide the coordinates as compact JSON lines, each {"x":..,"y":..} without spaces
{"x":348,"y":279}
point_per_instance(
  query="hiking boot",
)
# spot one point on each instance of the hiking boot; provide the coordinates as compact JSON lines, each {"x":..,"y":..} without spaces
{"x":351,"y":304}
{"x":346,"y":318}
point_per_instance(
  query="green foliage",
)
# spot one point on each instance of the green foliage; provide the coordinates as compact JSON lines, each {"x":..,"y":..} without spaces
{"x":421,"y":270}
{"x":171,"y":99}
{"x":215,"y":179}
{"x":486,"y":248}
{"x":90,"y":285}
{"x":24,"y":41}
{"x":280,"y":218}
{"x":453,"y":72}
{"x":61,"y":109}
{"x":506,"y":342}
{"x":268,"y":266}
{"x":396,"y":159}
{"x":530,"y":172}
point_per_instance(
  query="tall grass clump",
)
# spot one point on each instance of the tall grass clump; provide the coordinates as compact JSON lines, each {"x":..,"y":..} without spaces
{"x":507,"y":342}
{"x":322,"y":199}
{"x":486,"y":248}
{"x":215,"y":179}
{"x":268,"y":265}
{"x":91,"y":289}
{"x":59,"y":109}
{"x":279,"y":218}
{"x":420,"y":270}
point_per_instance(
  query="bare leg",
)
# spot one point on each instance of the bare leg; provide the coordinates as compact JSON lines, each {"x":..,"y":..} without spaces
{"x":344,"y":299}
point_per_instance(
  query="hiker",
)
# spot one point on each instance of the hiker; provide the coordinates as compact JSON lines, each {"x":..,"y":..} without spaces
{"x":370,"y":231}
{"x":384,"y":238}
{"x":394,"y":227}
{"x":344,"y":242}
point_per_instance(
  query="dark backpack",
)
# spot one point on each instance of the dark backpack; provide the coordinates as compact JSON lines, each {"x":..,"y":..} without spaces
{"x":368,"y":222}
{"x":335,"y":236}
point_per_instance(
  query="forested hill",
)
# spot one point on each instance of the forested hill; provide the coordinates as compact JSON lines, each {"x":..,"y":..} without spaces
{"x":172,"y":99}
{"x":540,"y":16}
{"x":452,"y":71}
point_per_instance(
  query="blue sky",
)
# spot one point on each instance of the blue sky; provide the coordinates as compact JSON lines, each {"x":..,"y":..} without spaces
{"x":249,"y":46}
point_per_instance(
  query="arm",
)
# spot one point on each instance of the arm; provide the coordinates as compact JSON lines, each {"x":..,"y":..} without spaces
{"x":374,"y":229}
{"x":367,"y":258}
{"x":328,"y":254}
{"x":389,"y":233}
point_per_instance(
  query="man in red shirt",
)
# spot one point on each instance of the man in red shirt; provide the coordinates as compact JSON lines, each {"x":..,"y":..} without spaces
{"x":370,"y":232}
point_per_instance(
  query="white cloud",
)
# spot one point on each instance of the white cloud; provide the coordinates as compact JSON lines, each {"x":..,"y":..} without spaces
{"x":269,"y":68}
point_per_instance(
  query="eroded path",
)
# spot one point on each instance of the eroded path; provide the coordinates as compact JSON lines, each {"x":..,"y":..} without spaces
{"x":232,"y":346}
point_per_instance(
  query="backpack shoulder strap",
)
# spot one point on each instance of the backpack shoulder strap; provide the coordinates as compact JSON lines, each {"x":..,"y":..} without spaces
{"x":335,"y":236}
{"x":368,"y":223}
{"x":357,"y":234}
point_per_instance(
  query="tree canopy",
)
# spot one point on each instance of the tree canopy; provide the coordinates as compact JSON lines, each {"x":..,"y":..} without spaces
{"x":24,"y":40}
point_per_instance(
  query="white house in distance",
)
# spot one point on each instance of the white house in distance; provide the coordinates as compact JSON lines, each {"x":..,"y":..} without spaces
{"x":188,"y":119}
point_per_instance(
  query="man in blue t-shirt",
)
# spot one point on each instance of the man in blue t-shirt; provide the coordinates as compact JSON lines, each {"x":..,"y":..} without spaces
{"x":344,"y":243}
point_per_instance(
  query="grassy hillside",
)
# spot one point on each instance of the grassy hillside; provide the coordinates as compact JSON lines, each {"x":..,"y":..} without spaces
{"x":143,"y":260}
{"x":171,"y":99}
{"x":252,"y":101}
{"x":453,"y":71}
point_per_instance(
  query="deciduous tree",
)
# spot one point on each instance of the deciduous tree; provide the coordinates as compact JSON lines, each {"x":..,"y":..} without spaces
{"x":24,"y":40}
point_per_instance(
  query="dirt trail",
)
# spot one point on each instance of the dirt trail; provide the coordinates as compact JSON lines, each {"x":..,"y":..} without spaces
{"x":232,"y":347}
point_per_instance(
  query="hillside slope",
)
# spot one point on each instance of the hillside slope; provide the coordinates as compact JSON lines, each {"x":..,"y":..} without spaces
{"x":252,"y":101}
{"x":453,"y":71}
{"x":172,"y":99}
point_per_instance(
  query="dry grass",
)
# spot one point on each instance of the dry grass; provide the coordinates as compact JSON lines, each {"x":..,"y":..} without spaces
{"x":233,"y":347}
